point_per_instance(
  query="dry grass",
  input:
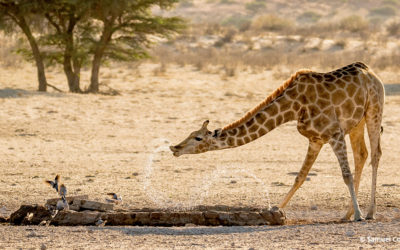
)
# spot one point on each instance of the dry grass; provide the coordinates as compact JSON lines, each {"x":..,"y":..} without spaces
{"x":353,"y":24}
{"x":393,"y":29}
{"x":8,"y":48}
{"x":268,"y":41}
{"x":271,"y":23}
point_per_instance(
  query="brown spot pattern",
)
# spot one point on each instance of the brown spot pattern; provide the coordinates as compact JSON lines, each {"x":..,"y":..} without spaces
{"x":340,"y":83}
{"x":253,"y":128}
{"x":233,"y":132}
{"x":262,"y":132}
{"x":288,"y":116}
{"x":347,"y":108}
{"x":260,"y":117}
{"x":242,"y":131}
{"x":270,"y":125}
{"x":272,"y":110}
{"x":338,"y":97}
{"x":279,"y":119}
{"x":351,"y":89}
{"x":311,"y":93}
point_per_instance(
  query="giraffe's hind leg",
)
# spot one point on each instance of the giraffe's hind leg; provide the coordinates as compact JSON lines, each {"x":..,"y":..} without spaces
{"x":339,"y":147}
{"x":360,"y":153}
{"x":373,"y":120}
{"x":312,"y":153}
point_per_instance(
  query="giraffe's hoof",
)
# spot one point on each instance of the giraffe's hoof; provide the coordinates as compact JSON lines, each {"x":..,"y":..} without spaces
{"x":370,"y":217}
{"x":359,"y":219}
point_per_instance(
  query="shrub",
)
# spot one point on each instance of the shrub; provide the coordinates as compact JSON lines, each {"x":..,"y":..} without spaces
{"x":186,"y":3}
{"x":8,"y":49}
{"x":309,"y":17}
{"x":353,"y":24}
{"x":271,"y":23}
{"x":383,"y":11}
{"x":226,"y":38}
{"x":255,"y":6}
{"x":240,"y":22}
{"x":393,"y":29}
{"x":391,"y":2}
{"x":227,"y":1}
{"x":340,"y":44}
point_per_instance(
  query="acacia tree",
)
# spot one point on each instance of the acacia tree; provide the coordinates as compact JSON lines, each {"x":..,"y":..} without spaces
{"x":22,"y":13}
{"x":95,"y":30}
{"x":126,"y":26}
{"x":64,"y":17}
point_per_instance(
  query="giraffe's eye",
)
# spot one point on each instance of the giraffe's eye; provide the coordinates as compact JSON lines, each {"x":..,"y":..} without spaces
{"x":198,"y":138}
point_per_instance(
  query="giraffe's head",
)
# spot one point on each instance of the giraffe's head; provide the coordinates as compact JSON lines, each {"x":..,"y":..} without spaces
{"x":199,"y":141}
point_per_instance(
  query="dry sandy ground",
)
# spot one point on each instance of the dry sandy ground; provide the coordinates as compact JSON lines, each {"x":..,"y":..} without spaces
{"x":101,"y":144}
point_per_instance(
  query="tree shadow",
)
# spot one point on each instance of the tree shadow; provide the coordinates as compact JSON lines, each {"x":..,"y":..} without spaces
{"x":21,"y":93}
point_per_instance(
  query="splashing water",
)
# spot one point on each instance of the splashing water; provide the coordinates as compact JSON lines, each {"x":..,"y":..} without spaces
{"x":201,"y":192}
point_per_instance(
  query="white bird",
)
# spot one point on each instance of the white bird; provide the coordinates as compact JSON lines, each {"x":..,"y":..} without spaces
{"x":54,"y":184}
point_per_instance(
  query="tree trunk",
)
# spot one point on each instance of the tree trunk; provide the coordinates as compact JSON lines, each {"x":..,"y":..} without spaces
{"x":73,"y":80}
{"x":98,"y":55}
{"x":94,"y":78}
{"x":72,"y":77}
{"x":36,"y":54}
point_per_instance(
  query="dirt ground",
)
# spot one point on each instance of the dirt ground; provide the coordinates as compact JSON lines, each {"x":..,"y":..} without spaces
{"x":102,"y":143}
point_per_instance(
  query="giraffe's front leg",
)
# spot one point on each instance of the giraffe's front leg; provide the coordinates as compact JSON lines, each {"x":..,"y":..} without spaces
{"x":312,"y":153}
{"x":339,"y":147}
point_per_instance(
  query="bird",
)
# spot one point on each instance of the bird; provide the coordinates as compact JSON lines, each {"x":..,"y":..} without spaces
{"x":63,"y":191}
{"x":62,"y":204}
{"x":115,"y":198}
{"x":54,"y":184}
{"x":101,"y":223}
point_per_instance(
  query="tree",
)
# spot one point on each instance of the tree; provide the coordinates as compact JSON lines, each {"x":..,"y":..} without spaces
{"x":21,"y":13}
{"x":78,"y":32}
{"x":126,"y":27}
{"x":64,"y":16}
{"x":104,"y":30}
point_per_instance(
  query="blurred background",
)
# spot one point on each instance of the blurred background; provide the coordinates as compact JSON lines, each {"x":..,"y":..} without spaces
{"x":284,"y":36}
{"x":230,"y":36}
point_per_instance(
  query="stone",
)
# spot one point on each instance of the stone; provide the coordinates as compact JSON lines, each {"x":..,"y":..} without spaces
{"x":142,"y":218}
{"x":120,"y":218}
{"x":275,"y":216}
{"x":92,"y":205}
{"x":30,"y":215}
{"x":3,"y":219}
{"x":211,"y":218}
{"x":73,"y":218}
{"x":34,"y":215}
{"x":198,"y":218}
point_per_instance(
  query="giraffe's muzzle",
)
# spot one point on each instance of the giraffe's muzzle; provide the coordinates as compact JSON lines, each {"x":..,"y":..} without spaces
{"x":175,"y":150}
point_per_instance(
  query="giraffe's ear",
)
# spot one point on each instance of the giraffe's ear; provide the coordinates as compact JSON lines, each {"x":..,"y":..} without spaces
{"x":217,"y":132}
{"x":205,"y":124}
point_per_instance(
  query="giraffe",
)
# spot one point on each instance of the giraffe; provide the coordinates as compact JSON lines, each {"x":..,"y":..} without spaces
{"x":326,"y":106}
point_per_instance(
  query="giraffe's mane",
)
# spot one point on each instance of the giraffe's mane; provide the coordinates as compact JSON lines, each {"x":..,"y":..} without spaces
{"x":267,"y":100}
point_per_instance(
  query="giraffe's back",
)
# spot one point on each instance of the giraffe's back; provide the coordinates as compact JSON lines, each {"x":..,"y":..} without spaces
{"x":341,"y":95}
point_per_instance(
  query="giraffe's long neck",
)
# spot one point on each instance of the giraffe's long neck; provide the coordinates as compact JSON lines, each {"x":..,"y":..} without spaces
{"x":281,"y":110}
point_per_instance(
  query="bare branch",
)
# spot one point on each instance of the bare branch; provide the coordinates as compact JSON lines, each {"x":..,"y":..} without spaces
{"x":55,"y":88}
